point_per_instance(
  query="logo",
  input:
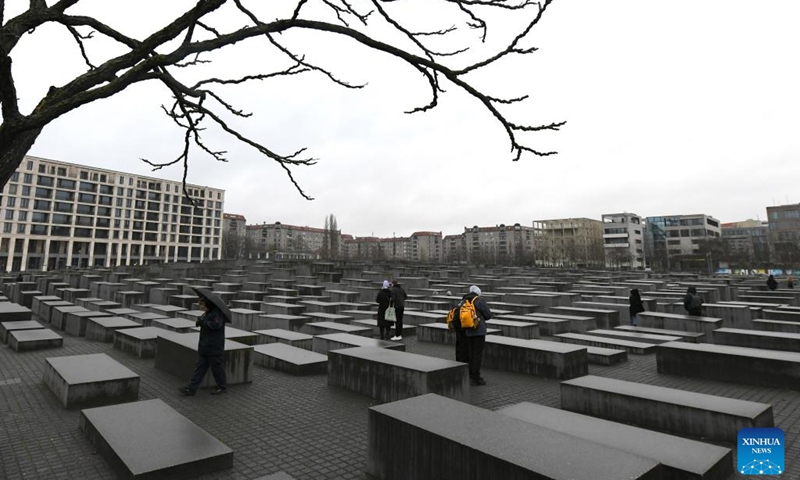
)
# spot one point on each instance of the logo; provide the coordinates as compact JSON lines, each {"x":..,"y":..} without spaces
{"x":760,"y":451}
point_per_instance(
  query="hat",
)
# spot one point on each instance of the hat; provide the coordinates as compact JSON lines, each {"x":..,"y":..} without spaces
{"x":692,"y":290}
{"x":386,"y":284}
{"x":474,"y":289}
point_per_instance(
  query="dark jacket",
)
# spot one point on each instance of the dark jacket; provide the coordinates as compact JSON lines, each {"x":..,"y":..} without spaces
{"x":212,"y":333}
{"x":687,"y":304}
{"x":772,"y":284}
{"x":398,"y":297}
{"x":383,"y":300}
{"x":636,"y":304}
{"x":483,"y":311}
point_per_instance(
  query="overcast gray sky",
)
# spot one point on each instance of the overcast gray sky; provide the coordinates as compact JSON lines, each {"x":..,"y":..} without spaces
{"x":671,"y":108}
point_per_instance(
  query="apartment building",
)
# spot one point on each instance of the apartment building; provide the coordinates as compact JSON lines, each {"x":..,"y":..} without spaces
{"x":280,"y":237}
{"x":60,"y":215}
{"x":571,"y":242}
{"x":784,"y":235}
{"x":623,"y":241}
{"x":674,"y":241}
{"x":425,"y":247}
{"x":234,"y":224}
{"x":453,"y":248}
{"x":746,"y":243}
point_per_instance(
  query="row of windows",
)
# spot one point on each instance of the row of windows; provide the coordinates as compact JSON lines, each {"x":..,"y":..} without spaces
{"x":103,"y":178}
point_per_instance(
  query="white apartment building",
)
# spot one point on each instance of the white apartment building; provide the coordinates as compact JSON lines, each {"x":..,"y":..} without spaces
{"x":60,"y":215}
{"x":623,"y":240}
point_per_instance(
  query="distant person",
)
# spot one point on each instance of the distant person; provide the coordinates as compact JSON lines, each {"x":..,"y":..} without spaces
{"x":636,"y":305}
{"x":693,"y":302}
{"x":19,"y":277}
{"x":772,"y":284}
{"x":470,"y":342}
{"x":211,"y":346}
{"x":383,"y":300}
{"x":399,"y":303}
{"x":790,"y":282}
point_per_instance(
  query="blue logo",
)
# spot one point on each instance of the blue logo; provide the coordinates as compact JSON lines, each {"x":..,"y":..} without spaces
{"x":760,"y":451}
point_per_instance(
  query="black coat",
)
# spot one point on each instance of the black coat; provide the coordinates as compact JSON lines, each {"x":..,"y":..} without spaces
{"x":398,"y":297}
{"x":772,"y":284}
{"x":383,"y":299}
{"x":483,"y":311}
{"x":212,"y":333}
{"x":636,"y":305}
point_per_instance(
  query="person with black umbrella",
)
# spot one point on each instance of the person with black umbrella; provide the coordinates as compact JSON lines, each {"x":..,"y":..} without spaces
{"x":211,"y":347}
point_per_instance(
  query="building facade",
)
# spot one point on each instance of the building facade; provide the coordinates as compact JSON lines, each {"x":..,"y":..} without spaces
{"x":784,"y":235}
{"x":623,"y":241}
{"x":453,"y":248}
{"x":746,"y":244}
{"x":681,"y":242}
{"x":571,"y":242}
{"x":426,"y":247}
{"x":501,"y":244}
{"x":60,"y":215}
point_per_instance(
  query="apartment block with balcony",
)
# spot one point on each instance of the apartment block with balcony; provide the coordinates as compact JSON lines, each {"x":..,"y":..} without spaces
{"x":60,"y":215}
{"x":571,"y":242}
{"x":746,"y":243}
{"x":623,"y":241}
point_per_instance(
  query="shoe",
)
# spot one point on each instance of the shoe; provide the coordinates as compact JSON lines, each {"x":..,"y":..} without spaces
{"x":186,"y":392}
{"x":476,"y":382}
{"x":397,"y":338}
{"x":219,"y":391}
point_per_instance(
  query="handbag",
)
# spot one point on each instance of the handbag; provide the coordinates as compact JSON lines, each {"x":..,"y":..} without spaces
{"x":390,"y":315}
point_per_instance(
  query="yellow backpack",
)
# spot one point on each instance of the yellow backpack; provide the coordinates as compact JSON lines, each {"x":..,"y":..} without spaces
{"x":466,"y":314}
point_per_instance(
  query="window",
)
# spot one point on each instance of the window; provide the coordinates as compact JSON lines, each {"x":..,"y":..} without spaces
{"x":44,"y":181}
{"x":30,"y":165}
{"x":41,"y":205}
{"x":62,"y":219}
{"x":65,"y":195}
{"x":39,"y":217}
{"x":61,"y":171}
{"x":87,"y":198}
{"x":11,"y":201}
{"x":68,"y":184}
{"x":39,"y":229}
{"x":28,"y":178}
{"x":15,"y":177}
{"x":42,"y":168}
{"x":121,"y":180}
{"x":24,"y":203}
{"x":84,"y":175}
{"x":23,"y":216}
{"x":26,"y":191}
{"x":9,"y":214}
{"x":12,"y":189}
{"x":84,"y":209}
{"x":7,"y":227}
{"x":43,"y":193}
{"x":83,"y":232}
{"x":61,"y":231}
{"x":21,"y":228}
{"x":63,"y":207}
{"x":106,"y":190}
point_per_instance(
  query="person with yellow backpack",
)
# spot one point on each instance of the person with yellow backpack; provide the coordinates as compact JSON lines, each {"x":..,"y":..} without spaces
{"x":471,"y":332}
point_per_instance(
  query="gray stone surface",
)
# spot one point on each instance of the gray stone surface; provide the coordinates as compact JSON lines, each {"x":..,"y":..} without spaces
{"x":176,"y":353}
{"x":681,"y":457}
{"x":7,"y":327}
{"x":81,"y":381}
{"x":150,"y":439}
{"x":12,"y":312}
{"x":459,"y":436}
{"x":535,"y":357}
{"x":710,"y":417}
{"x":101,"y":329}
{"x":335,"y":341}
{"x":39,"y":339}
{"x":290,"y":359}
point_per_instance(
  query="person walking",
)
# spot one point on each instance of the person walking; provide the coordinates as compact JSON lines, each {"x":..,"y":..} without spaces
{"x":399,"y":303}
{"x":211,"y":346}
{"x":772,"y":284}
{"x":636,"y":305}
{"x":383,"y":300}
{"x":693,"y":302}
{"x":470,"y":342}
{"x":789,"y":282}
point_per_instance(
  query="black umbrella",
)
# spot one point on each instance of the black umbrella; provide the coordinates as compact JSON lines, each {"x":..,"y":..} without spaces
{"x":215,"y":300}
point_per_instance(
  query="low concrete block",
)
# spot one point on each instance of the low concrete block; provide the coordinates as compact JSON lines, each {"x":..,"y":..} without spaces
{"x":150,"y":440}
{"x":7,"y":327}
{"x":325,"y":343}
{"x":680,"y":412}
{"x":289,"y":359}
{"x":177,"y":354}
{"x":288,"y":337}
{"x":535,"y":357}
{"x":39,"y":339}
{"x":101,"y":329}
{"x":140,"y":342}
{"x":388,"y":375}
{"x":432,"y":437}
{"x":81,"y":381}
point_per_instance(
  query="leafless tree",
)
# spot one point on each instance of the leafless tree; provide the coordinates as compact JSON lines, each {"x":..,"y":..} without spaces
{"x":391,"y":27}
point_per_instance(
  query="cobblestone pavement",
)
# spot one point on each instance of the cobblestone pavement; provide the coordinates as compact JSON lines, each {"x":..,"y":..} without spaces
{"x":280,"y":422}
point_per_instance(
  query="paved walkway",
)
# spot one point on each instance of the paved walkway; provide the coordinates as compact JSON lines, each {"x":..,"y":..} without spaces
{"x":280,"y":422}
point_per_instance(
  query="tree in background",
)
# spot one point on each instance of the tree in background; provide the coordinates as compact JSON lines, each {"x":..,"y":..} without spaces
{"x":331,"y":237}
{"x":433,"y":38}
